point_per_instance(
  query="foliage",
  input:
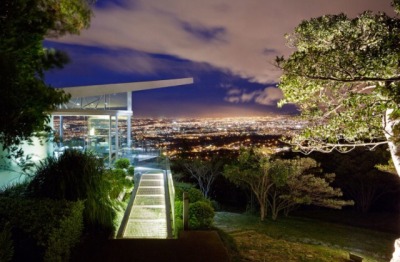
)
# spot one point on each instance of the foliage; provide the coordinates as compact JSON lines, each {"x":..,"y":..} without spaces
{"x":131,"y":170}
{"x":20,"y":120}
{"x":99,"y":214}
{"x":66,"y":235}
{"x":118,"y":181}
{"x":201,"y":215}
{"x":178,"y":208}
{"x":71,"y":176}
{"x":14,"y":190}
{"x":25,"y":99}
{"x":49,"y":228}
{"x":6,"y":243}
{"x":122,"y":163}
{"x":194,"y":194}
{"x":77,"y":176}
{"x":201,"y":212}
{"x":388,"y":167}
{"x":299,"y":181}
{"x":252,"y":170}
{"x":281,"y":185}
{"x":344,"y":76}
{"x":396,"y":5}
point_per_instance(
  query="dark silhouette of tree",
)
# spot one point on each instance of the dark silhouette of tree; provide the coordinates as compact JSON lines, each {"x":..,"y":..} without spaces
{"x":25,"y":99}
{"x":204,"y":172}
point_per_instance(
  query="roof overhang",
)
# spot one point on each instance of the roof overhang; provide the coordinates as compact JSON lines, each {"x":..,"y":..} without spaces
{"x":99,"y":90}
{"x":90,"y":112}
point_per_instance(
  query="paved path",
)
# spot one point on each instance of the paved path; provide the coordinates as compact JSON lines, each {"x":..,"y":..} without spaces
{"x":191,"y":246}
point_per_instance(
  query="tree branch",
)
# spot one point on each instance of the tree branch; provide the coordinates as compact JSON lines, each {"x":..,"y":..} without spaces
{"x":329,"y":147}
{"x":353,"y":80}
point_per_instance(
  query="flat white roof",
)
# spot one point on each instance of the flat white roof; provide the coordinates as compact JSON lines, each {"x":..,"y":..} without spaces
{"x":98,"y":90}
{"x":91,"y":112}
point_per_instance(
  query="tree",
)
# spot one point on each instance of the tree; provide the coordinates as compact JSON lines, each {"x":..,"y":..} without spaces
{"x":204,"y":172}
{"x":252,"y":170}
{"x":25,"y":99}
{"x":299,"y":182}
{"x":345,"y":78}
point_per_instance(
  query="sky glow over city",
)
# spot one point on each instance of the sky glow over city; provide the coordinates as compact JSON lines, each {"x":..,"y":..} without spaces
{"x":227,"y":46}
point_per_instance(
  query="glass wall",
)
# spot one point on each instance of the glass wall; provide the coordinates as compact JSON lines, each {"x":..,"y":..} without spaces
{"x":104,"y":135}
{"x":112,"y":101}
{"x":98,"y":137}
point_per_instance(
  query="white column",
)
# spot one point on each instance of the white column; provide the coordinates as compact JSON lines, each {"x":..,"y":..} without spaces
{"x":109,"y":141}
{"x":129,"y":120}
{"x":61,"y":131}
{"x":116,"y":138}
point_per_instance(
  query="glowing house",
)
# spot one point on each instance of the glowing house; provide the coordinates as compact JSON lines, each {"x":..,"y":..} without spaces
{"x":107,"y":110}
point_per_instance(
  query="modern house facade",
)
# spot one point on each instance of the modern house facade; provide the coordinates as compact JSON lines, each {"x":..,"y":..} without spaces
{"x":105,"y":116}
{"x":107,"y":111}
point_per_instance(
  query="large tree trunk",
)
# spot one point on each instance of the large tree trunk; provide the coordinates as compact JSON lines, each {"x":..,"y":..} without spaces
{"x":388,"y":125}
{"x":262,"y":211}
{"x":262,"y":202}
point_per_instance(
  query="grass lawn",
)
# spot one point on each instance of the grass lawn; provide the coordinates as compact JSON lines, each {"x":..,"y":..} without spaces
{"x":300,"y":239}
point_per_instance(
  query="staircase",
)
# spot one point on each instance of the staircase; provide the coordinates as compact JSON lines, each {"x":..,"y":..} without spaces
{"x":148,"y":216}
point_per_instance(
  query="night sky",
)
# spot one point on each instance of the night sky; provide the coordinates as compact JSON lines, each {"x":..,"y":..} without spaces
{"x":227,"y":46}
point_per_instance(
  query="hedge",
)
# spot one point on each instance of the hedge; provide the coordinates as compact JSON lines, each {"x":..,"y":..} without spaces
{"x":201,"y":215}
{"x":201,"y":212}
{"x":42,"y":229}
{"x":122,"y":163}
{"x":194,"y":194}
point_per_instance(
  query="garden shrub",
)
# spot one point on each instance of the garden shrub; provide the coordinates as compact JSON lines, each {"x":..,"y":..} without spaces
{"x":6,"y":243}
{"x":201,"y":215}
{"x":118,"y":181}
{"x":127,"y":197}
{"x":178,"y":226}
{"x":69,"y":231}
{"x":178,"y":209}
{"x":14,"y":189}
{"x":178,"y":217}
{"x":99,"y":215}
{"x":201,"y":212}
{"x":122,"y":163}
{"x":72,"y":176}
{"x":131,"y":171}
{"x":75,"y":176}
{"x":194,"y":194}
{"x":42,"y":229}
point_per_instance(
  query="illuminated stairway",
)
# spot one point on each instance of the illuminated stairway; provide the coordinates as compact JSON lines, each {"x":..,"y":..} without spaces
{"x":148,"y":214}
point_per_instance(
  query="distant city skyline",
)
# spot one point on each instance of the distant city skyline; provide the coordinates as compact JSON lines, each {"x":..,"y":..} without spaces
{"x":227,"y":46}
{"x":195,"y":136}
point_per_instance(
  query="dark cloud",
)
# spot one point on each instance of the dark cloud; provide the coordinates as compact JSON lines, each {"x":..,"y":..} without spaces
{"x":216,"y":33}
